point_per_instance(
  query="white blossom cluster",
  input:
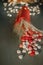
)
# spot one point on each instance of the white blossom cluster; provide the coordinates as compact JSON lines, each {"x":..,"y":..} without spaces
{"x":9,"y":9}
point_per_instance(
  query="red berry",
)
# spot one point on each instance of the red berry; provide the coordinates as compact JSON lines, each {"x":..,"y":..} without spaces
{"x":32,"y":53}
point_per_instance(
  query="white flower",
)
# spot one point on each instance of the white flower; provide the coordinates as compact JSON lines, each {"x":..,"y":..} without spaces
{"x":20,"y":56}
{"x":5,"y":4}
{"x":39,"y":47}
{"x":18,"y":51}
{"x":36,"y":52}
{"x":23,"y":51}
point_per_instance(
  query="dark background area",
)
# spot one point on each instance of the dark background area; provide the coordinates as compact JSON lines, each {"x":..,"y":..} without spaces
{"x":9,"y":41}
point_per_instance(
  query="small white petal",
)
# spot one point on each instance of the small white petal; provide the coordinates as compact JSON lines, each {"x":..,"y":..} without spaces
{"x":36,"y":52}
{"x":36,"y":44}
{"x":9,"y":15}
{"x":27,"y":49}
{"x":27,"y":42}
{"x":9,"y":4}
{"x":18,"y":51}
{"x":23,"y":51}
{"x":5,"y":9}
{"x":16,"y":7}
{"x":9,"y":8}
{"x":16,"y":10}
{"x":35,"y":35}
{"x":14,"y":2}
{"x":34,"y":9}
{"x":11,"y":11}
{"x":38,"y":12}
{"x":23,"y":43}
{"x":39,"y":40}
{"x":39,"y":47}
{"x":5,"y":4}
{"x":24,"y":46}
{"x":36,"y":39}
{"x":26,"y":4}
{"x":35,"y":48}
{"x":33,"y":14}
{"x":37,"y":6}
{"x":22,"y":3}
{"x":30,"y":9}
{"x":40,"y":3}
{"x":20,"y":56}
